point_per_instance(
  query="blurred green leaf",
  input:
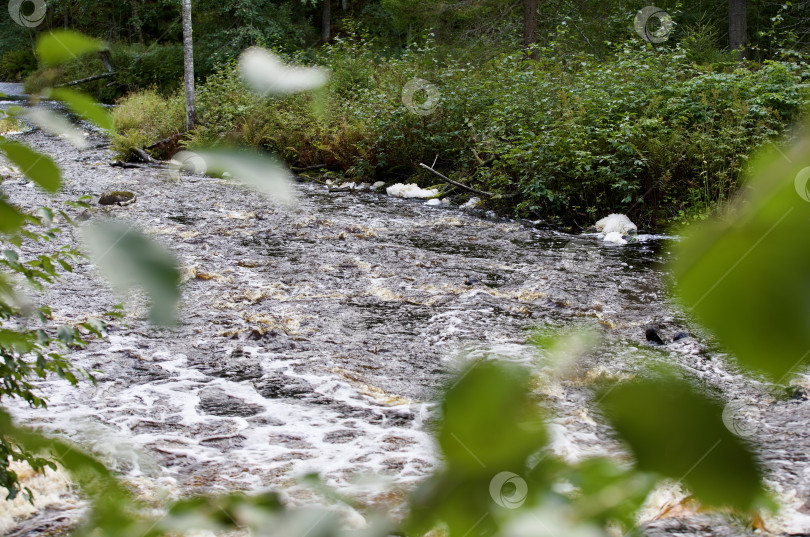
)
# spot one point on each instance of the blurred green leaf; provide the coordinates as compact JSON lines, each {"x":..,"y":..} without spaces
{"x":58,"y":125}
{"x":609,"y":492}
{"x":62,"y":46}
{"x":678,"y":432}
{"x":266,"y":73}
{"x":36,"y":166}
{"x":129,"y":258}
{"x":11,"y":220}
{"x":65,"y":334}
{"x":490,"y":401}
{"x":259,"y":171}
{"x":490,"y":426}
{"x":746,"y":277}
{"x":85,"y":107}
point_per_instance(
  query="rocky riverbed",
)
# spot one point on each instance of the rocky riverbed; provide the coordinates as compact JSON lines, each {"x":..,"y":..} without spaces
{"x":314,"y":338}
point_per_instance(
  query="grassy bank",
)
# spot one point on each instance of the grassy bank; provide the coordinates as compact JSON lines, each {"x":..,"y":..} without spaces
{"x":650,"y":132}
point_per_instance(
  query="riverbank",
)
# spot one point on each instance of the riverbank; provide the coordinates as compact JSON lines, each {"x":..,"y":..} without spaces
{"x":647,"y":132}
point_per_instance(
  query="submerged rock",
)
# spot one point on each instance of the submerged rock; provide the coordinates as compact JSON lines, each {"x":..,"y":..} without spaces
{"x":679,"y":336}
{"x":117,"y":197}
{"x":216,"y":402}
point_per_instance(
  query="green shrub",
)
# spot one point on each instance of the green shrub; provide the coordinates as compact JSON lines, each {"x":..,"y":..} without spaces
{"x":17,"y":64}
{"x":136,"y":67}
{"x":565,"y":138}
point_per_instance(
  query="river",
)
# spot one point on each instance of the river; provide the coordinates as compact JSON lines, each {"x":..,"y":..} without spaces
{"x":314,"y":338}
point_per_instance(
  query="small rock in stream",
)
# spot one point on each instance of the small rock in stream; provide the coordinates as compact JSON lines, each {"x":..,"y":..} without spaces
{"x":797,"y":393}
{"x":652,"y":336}
{"x":117,"y":197}
{"x":679,"y":336}
{"x":218,"y":403}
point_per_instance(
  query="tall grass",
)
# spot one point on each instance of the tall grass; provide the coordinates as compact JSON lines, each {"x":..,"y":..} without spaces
{"x":146,"y":117}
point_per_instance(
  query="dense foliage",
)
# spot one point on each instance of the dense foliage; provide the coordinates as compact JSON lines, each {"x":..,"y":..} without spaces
{"x":563,"y":138}
{"x":600,"y":122}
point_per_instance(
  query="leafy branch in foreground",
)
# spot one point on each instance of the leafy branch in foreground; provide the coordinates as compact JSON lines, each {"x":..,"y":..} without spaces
{"x":30,"y":347}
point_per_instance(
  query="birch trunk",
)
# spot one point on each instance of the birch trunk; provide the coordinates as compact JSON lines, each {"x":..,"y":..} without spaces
{"x":188,"y":66}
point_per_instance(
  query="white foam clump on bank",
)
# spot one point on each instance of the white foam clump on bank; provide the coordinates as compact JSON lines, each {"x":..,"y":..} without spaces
{"x":49,"y":488}
{"x":615,"y":228}
{"x":472,"y":203}
{"x":615,"y":223}
{"x":410,"y":190}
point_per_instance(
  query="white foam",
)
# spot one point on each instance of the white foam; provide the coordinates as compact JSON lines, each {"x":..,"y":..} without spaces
{"x":162,"y":421}
{"x":411,"y":190}
{"x":615,"y":237}
{"x":616,"y":223}
{"x":50,"y":488}
{"x":472,"y":203}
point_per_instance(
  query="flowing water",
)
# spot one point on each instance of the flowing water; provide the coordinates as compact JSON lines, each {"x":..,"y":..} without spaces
{"x":13,"y":91}
{"x":314,"y":338}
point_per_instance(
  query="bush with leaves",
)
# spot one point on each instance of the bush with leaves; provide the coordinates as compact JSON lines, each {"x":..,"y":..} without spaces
{"x":567,"y":138}
{"x":17,"y":64}
{"x":145,"y":117}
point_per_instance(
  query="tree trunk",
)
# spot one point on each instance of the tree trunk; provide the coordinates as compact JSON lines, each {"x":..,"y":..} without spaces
{"x":326,"y":21}
{"x":188,"y":66}
{"x":737,"y":27}
{"x":530,"y":25}
{"x":136,"y":24}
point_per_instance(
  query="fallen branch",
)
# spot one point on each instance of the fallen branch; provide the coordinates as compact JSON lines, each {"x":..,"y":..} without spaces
{"x":120,"y":164}
{"x":83,"y":80}
{"x":143,"y":155}
{"x":456,"y":183}
{"x":307,"y":168}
